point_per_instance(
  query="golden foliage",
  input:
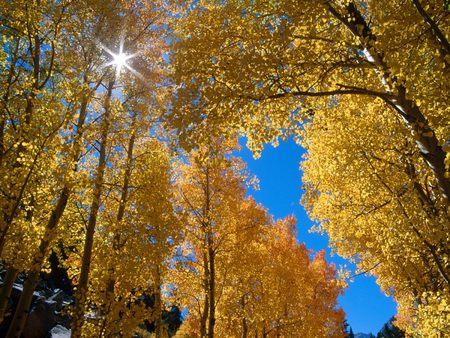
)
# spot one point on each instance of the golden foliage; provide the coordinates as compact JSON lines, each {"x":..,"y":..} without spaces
{"x":364,"y":87}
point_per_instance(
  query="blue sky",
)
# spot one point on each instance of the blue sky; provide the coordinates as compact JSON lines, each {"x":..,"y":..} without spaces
{"x":366,"y":307}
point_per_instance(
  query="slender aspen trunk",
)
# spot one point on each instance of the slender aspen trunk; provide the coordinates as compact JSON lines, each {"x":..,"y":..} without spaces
{"x":24,"y":130}
{"x":117,"y":240}
{"x":5,"y":99}
{"x":21,"y":314}
{"x":426,"y":141}
{"x":8,"y":219}
{"x":244,"y":320}
{"x":158,"y":305}
{"x":437,"y":34}
{"x":209,"y":257}
{"x":5,"y":292}
{"x":10,"y":277}
{"x":10,"y":216}
{"x":26,"y":297}
{"x":204,"y":317}
{"x":2,"y":136}
{"x":211,"y":290}
{"x":81,"y":294}
{"x":429,"y":246}
{"x":244,"y":328}
{"x":159,"y":325}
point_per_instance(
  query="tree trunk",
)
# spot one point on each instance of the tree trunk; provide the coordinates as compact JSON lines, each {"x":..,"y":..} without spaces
{"x":244,"y":328}
{"x":5,"y":99}
{"x":244,"y":320}
{"x":81,"y":294}
{"x":22,"y":309}
{"x":12,"y":211}
{"x":2,"y":136}
{"x":5,"y":292}
{"x":211,"y":291}
{"x":204,"y":316}
{"x":21,"y":314}
{"x":426,"y":141}
{"x":158,"y":306}
{"x":437,"y":34}
{"x":117,"y":241}
{"x":209,"y":261}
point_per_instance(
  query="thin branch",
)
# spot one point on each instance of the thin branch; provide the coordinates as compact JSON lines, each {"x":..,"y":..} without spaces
{"x":365,"y":271}
{"x":50,"y":68}
{"x":345,"y":90}
{"x":441,"y":39}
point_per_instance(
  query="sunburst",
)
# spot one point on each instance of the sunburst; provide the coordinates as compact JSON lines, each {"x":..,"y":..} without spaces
{"x":120,"y":59}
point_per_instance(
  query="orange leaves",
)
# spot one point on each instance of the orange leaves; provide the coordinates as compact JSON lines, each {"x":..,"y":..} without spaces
{"x":264,"y":281}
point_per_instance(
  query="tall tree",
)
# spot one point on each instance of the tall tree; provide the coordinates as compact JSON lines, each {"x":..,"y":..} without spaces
{"x":381,"y":210}
{"x":46,"y":125}
{"x":210,"y":187}
{"x":78,"y":315}
{"x":53,"y":66}
{"x":389,"y":330}
{"x":263,"y":281}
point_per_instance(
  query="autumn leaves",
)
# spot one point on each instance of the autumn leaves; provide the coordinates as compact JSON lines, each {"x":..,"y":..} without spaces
{"x":60,"y":123}
{"x":92,"y":170}
{"x":242,"y":273}
{"x":90,"y":174}
{"x":363,"y":86}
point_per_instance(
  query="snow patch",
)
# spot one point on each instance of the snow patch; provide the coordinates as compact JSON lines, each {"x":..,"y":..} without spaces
{"x":60,"y":331}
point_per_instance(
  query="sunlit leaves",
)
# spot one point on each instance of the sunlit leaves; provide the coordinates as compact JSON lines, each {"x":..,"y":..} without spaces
{"x":364,"y":87}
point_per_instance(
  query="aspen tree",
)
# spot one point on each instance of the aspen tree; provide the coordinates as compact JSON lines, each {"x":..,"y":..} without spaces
{"x":381,"y":211}
{"x":70,"y":157}
{"x":209,"y":188}
{"x":26,"y":159}
{"x":78,"y":315}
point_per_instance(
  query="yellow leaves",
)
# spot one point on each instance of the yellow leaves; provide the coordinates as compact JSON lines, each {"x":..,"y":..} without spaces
{"x":49,"y":150}
{"x":259,"y":267}
{"x":133,"y":249}
{"x":261,"y":69}
{"x":433,"y":314}
{"x":372,"y":208}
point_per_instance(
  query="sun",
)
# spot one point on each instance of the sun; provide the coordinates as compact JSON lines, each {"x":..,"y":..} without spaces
{"x":120,"y":59}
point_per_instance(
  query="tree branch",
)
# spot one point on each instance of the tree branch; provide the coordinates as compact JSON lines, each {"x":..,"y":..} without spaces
{"x":437,"y":33}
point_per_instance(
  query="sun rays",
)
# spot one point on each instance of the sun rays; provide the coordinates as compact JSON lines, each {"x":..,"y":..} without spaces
{"x":120,"y":59}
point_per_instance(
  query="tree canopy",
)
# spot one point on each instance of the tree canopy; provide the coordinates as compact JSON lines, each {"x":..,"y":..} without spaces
{"x":364,"y":87}
{"x":117,"y":131}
